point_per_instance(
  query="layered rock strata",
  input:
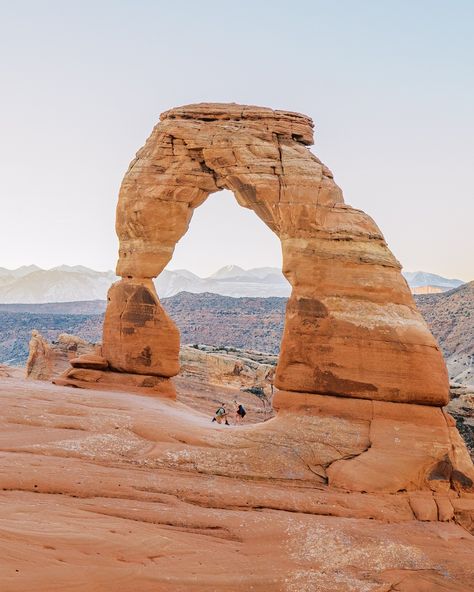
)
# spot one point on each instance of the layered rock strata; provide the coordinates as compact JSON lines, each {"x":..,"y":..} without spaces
{"x":228,"y":367}
{"x":352,"y":328}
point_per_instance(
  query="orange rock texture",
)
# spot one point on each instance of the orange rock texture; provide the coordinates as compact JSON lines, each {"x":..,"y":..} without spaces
{"x":111,"y":492}
{"x":352,"y":328}
{"x":228,"y":368}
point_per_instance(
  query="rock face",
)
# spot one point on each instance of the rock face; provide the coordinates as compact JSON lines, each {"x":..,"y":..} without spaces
{"x":461,"y":408}
{"x":134,"y":311}
{"x":228,"y":367}
{"x":351,"y":329}
{"x":47,"y":360}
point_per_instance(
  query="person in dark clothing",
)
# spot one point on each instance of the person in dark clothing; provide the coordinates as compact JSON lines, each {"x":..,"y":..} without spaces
{"x":240,"y":413}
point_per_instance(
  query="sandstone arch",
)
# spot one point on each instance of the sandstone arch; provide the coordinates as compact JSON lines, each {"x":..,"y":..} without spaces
{"x":352,"y":328}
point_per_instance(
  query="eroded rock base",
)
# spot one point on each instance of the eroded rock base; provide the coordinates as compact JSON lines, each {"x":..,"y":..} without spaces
{"x":105,"y":380}
{"x":407,"y":447}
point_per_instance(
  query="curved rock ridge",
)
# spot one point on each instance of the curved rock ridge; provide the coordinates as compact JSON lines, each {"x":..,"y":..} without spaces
{"x":352,"y":328}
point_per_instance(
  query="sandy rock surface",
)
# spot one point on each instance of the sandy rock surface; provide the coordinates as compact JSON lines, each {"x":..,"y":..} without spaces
{"x":4,"y":371}
{"x":112,"y":491}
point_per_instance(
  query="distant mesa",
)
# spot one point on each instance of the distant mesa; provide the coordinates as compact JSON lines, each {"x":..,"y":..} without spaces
{"x":422,"y":282}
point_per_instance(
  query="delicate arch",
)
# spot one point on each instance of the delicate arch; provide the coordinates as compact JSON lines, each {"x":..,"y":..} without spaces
{"x":352,"y":328}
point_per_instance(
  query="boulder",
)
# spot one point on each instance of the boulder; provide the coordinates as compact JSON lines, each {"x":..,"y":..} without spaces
{"x":139,"y":337}
{"x":91,"y":361}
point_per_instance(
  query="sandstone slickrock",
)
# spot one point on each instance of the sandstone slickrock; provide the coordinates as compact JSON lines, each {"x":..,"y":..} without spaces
{"x":105,"y":491}
{"x":352,"y":328}
{"x":4,"y":373}
{"x":91,"y":361}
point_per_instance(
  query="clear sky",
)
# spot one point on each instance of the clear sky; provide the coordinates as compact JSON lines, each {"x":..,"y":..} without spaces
{"x":389,"y":84}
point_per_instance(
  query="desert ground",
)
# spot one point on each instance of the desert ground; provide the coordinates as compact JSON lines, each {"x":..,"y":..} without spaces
{"x":112,"y":491}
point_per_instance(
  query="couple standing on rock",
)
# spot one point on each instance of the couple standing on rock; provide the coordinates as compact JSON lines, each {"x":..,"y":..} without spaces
{"x":221,"y":414}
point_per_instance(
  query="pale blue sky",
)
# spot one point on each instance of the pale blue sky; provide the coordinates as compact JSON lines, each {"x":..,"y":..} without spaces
{"x":389,"y":84}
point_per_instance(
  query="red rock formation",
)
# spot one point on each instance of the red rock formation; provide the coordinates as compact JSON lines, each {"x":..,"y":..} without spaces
{"x":47,"y":360}
{"x":4,"y":373}
{"x":352,"y":328}
{"x":139,"y":337}
{"x":359,"y":491}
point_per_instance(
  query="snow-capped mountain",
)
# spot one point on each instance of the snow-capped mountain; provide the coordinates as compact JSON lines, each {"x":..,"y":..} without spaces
{"x":59,"y":284}
{"x":231,"y":280}
{"x":73,"y":283}
{"x":30,"y":284}
{"x":227,"y":271}
{"x":419,"y":279}
{"x":19,"y":272}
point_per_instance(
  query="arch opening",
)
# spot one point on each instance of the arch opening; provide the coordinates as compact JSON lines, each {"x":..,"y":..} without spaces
{"x":222,"y":233}
{"x":230,"y":320}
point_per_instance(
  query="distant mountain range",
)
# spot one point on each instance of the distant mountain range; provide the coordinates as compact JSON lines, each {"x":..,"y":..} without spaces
{"x":31,"y":284}
{"x":61,"y":284}
{"x":422,"y":282}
